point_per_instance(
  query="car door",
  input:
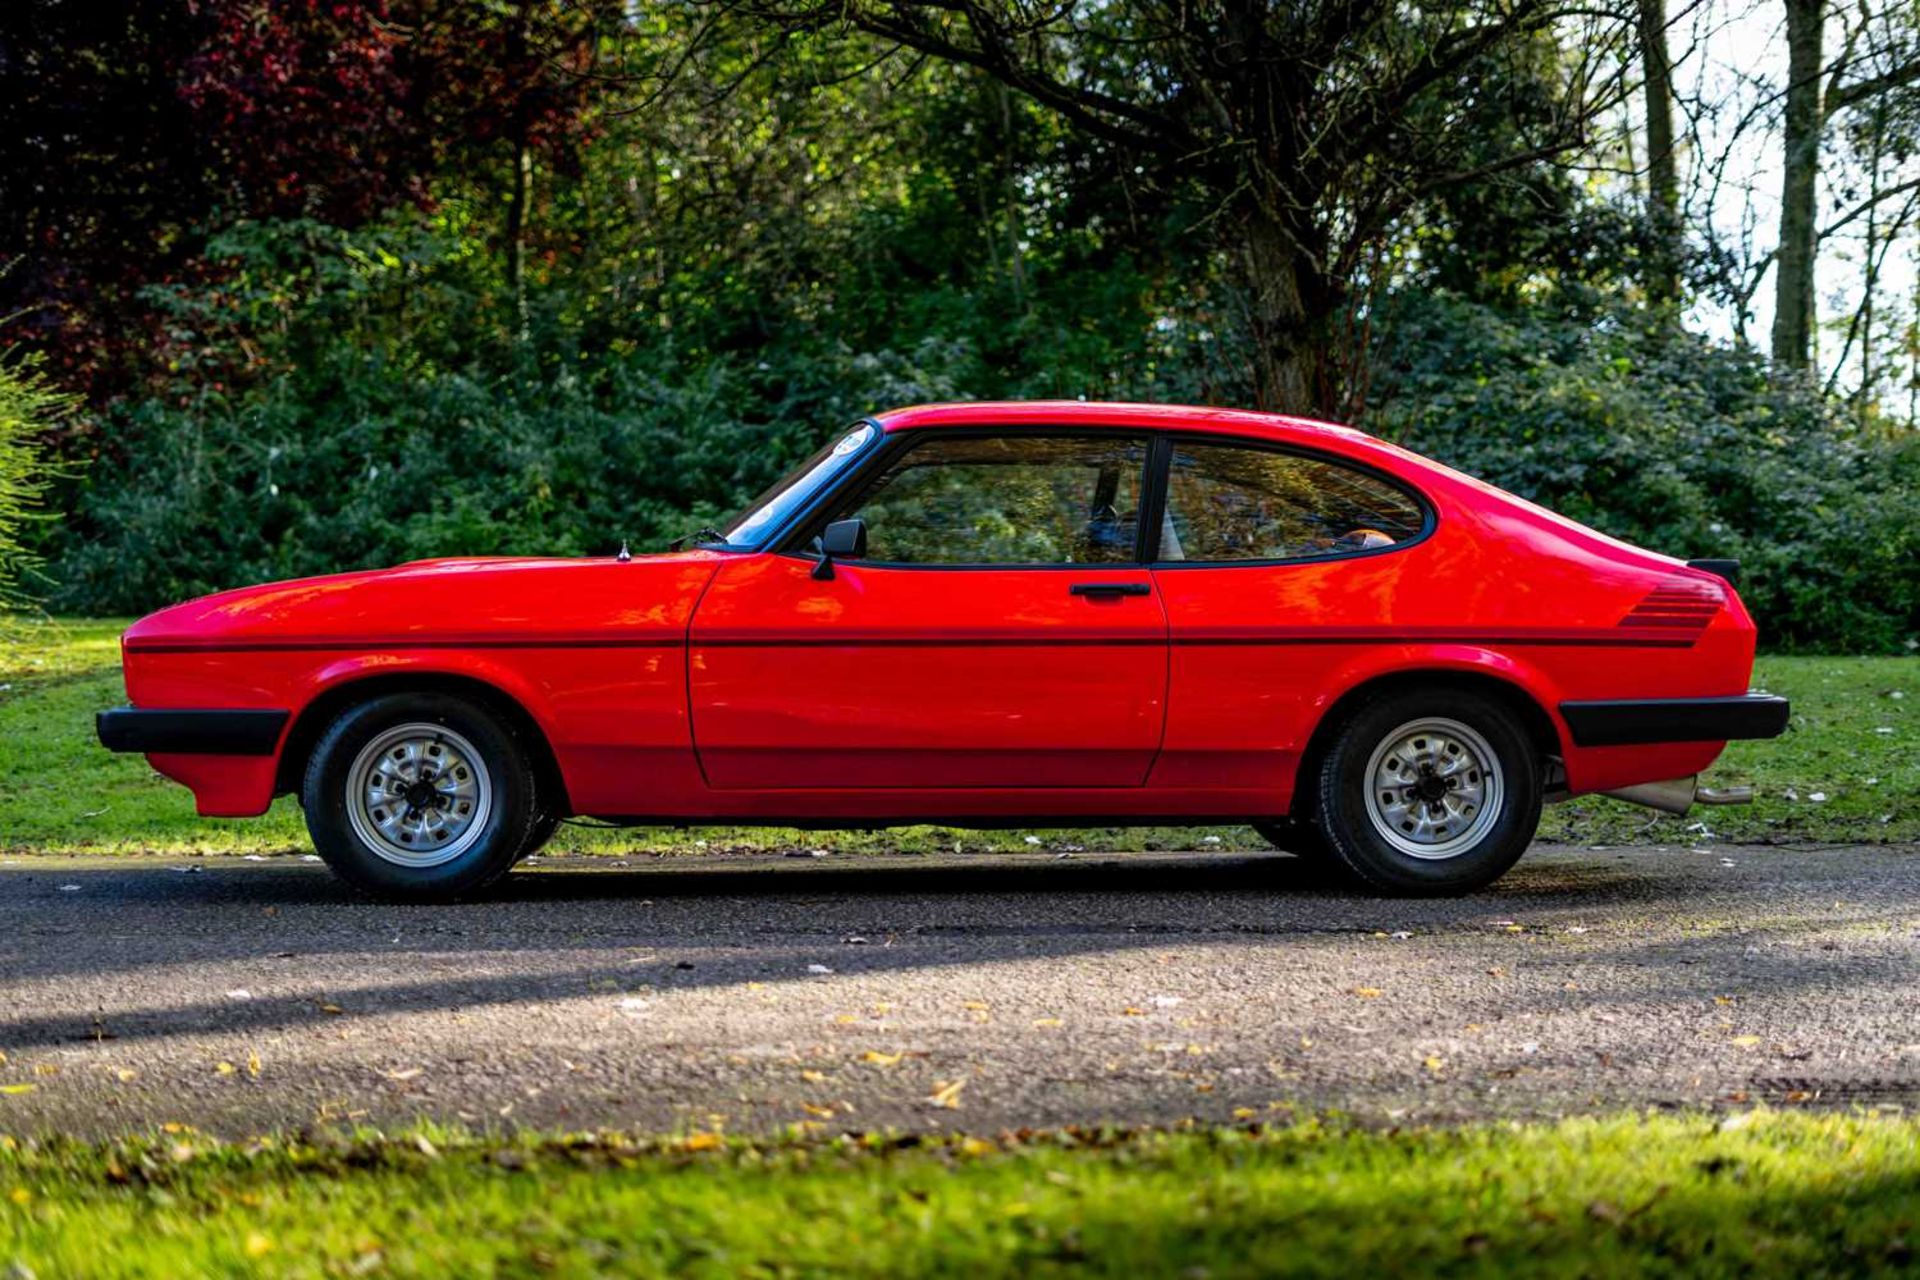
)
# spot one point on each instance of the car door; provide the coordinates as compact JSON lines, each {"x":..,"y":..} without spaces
{"x":1276,"y":566}
{"x":999,"y":630}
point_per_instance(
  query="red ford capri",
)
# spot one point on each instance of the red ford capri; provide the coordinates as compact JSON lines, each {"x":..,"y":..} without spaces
{"x":984,"y":615}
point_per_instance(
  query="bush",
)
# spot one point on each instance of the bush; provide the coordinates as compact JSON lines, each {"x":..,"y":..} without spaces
{"x":1668,"y":441}
{"x":28,"y":408}
{"x":383,"y":413}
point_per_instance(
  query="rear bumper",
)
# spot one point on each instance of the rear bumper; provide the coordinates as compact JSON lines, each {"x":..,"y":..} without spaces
{"x":199,"y":733}
{"x":1638,"y":721}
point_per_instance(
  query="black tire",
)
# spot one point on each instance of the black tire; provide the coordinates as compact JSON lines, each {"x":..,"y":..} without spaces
{"x":1488,"y":844}
{"x":501,"y":829}
{"x":544,"y":825}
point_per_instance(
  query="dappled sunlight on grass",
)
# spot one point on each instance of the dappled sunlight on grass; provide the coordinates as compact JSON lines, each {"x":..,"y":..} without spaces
{"x":1757,"y":1193}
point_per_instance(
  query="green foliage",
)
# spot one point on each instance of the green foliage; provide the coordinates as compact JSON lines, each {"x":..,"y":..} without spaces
{"x":1757,"y":1194}
{"x":738,"y":250}
{"x":380,"y":414}
{"x":1676,"y":444}
{"x":28,"y":409}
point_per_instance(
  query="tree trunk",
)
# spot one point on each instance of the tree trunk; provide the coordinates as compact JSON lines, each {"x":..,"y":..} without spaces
{"x":1663,"y":182}
{"x":517,"y":229}
{"x":1282,"y":287}
{"x":1793,"y":297}
{"x":518,"y":192}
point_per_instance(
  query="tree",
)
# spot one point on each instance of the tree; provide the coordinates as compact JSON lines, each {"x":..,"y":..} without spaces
{"x":1879,"y":56}
{"x":1309,"y":130}
{"x":1663,"y":182}
{"x":1805,"y":120}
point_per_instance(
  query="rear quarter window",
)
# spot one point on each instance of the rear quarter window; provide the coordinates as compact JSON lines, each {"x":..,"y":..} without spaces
{"x":1230,"y":502}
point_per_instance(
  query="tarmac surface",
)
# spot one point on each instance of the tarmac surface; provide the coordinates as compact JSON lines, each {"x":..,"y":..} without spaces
{"x":961,"y":992}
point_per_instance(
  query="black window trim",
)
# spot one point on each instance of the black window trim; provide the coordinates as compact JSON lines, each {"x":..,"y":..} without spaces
{"x":1161,"y":479}
{"x":857,"y":481}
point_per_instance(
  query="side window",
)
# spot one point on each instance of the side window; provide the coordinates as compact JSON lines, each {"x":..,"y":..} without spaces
{"x":1227,"y":502}
{"x":1013,"y":499}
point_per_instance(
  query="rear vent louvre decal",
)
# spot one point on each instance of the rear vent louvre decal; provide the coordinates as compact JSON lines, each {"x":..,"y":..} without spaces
{"x":1678,"y":607}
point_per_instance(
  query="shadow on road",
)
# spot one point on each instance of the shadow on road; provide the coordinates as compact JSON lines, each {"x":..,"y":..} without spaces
{"x":571,"y":928}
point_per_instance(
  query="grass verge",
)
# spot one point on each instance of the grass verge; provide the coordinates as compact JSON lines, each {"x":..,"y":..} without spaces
{"x":1847,"y":770}
{"x":1755,"y":1194}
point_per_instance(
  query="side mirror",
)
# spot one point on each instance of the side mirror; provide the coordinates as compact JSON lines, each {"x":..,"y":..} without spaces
{"x":841,"y":538}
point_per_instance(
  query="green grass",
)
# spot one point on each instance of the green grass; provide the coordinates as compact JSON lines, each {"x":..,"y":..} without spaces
{"x":1853,"y":742}
{"x":1759,"y":1194}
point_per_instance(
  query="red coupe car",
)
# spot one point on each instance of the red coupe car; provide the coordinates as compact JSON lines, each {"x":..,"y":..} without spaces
{"x":983,"y":615}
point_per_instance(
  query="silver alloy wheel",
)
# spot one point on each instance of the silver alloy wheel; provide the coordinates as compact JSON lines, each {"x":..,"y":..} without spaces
{"x":418,"y":795}
{"x":1434,"y":788}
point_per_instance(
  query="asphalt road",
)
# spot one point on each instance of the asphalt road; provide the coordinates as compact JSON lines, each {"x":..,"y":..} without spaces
{"x":850,"y":992}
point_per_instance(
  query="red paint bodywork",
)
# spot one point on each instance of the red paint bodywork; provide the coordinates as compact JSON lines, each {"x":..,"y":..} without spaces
{"x":733,"y":685}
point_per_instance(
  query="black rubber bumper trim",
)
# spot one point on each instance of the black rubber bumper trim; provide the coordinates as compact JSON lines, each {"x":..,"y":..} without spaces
{"x":1635,"y":722}
{"x":199,"y":733}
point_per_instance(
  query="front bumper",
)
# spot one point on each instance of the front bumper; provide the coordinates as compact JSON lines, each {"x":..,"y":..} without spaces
{"x":201,"y":733}
{"x":1639,"y":721}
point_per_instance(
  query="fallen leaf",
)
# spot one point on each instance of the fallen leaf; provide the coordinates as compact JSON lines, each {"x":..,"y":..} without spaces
{"x":1047,"y":1022}
{"x":974,"y":1004}
{"x":1434,"y":1063}
{"x":403,"y":1075}
{"x":224,"y":1068}
{"x":701,"y":1142}
{"x":971,"y":1146}
{"x":880,"y":1059}
{"x":1244,"y":1113}
{"x":1745,"y":1042}
{"x":258,"y":1246}
{"x":814,"y":1109}
{"x":332,"y":1010}
{"x":1368,"y":993}
{"x":813,"y":1077}
{"x":17,"y":1089}
{"x":253,"y":1063}
{"x":1132,"y":1011}
{"x":947,"y":1094}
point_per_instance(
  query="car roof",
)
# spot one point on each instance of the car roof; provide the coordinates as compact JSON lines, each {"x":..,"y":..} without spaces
{"x":1092,"y":413}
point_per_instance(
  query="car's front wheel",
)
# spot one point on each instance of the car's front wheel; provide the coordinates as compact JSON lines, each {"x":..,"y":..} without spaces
{"x":419,"y":797}
{"x":1428,"y":793}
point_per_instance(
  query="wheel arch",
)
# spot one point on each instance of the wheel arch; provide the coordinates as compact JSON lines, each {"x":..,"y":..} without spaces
{"x":1533,"y":715}
{"x":354,"y":689}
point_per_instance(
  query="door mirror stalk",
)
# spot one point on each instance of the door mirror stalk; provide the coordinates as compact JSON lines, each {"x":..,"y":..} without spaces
{"x":846,"y":538}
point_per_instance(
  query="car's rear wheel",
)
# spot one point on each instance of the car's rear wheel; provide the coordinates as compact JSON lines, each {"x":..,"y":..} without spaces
{"x":1428,"y":793}
{"x":419,"y":797}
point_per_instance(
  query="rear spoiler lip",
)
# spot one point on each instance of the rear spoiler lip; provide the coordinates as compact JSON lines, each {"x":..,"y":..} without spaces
{"x":1728,"y":569}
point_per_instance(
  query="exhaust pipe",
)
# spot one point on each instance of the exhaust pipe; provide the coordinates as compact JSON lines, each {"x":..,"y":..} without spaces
{"x":1677,"y":795}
